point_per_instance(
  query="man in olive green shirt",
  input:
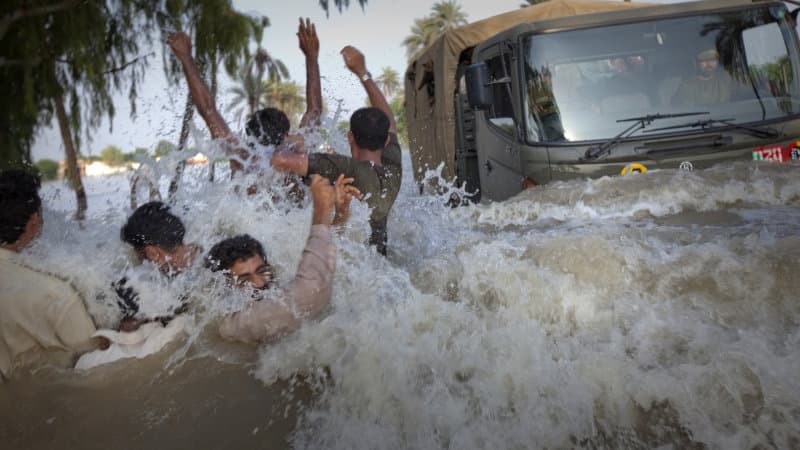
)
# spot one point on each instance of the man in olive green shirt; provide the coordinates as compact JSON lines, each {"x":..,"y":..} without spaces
{"x":375,"y":163}
{"x":711,"y":86}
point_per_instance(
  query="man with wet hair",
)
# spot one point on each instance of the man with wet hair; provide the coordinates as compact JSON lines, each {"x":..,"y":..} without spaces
{"x":304,"y":297}
{"x":38,"y":312}
{"x":242,"y":257}
{"x":268,"y":126}
{"x":375,"y":161}
{"x":157,"y":236}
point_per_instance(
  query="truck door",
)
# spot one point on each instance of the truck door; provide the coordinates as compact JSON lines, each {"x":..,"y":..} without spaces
{"x":496,"y":131}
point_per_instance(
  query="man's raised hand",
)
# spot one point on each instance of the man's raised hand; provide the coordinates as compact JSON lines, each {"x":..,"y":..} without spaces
{"x":307,"y":35}
{"x":354,"y":60}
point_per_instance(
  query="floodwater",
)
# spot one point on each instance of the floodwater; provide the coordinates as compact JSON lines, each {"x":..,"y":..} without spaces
{"x":655,"y":310}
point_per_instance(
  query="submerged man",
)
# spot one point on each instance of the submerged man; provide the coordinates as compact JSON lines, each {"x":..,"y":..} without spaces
{"x":156,"y":235}
{"x":711,"y":85}
{"x":305,"y":297}
{"x":375,"y":161}
{"x":38,"y":312}
{"x":268,"y":126}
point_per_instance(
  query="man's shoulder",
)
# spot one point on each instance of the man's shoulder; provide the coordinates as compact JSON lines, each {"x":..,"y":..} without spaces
{"x":392,"y":153}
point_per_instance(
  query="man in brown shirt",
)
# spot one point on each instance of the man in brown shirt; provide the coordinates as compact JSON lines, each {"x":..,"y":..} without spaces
{"x":39,"y":313}
{"x":281,"y":311}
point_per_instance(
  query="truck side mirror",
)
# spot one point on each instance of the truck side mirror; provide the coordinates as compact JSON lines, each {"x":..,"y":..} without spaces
{"x":479,"y":92}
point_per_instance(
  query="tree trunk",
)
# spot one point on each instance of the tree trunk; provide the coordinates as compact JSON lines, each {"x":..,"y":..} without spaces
{"x":188,"y":113}
{"x":73,"y":173}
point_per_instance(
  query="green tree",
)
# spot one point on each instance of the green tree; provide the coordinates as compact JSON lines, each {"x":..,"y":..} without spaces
{"x":221,"y":37}
{"x":140,"y":152}
{"x":398,"y":108}
{"x":448,"y":15}
{"x":112,"y":156}
{"x":48,"y":169}
{"x":339,"y":4}
{"x":343,"y":126}
{"x":423,"y":33}
{"x":388,"y":82}
{"x":287,"y":96}
{"x":250,"y":79}
{"x":163,"y":148}
{"x":65,"y":59}
{"x":444,"y":16}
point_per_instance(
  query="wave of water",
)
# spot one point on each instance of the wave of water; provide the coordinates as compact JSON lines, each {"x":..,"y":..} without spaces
{"x":641,"y":311}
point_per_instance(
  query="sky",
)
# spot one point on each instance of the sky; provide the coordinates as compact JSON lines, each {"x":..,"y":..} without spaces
{"x":378,"y":31}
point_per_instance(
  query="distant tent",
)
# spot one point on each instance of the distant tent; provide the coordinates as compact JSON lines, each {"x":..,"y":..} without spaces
{"x":430,"y":81}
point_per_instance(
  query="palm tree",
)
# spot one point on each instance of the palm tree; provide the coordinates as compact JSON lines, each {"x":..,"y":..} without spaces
{"x":423,"y":33}
{"x":388,"y":82}
{"x":249,"y":78}
{"x":287,"y":96}
{"x":448,"y":15}
{"x":444,"y":16}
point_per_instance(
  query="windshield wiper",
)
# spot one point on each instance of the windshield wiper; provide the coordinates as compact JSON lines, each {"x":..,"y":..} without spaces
{"x":760,"y":132}
{"x":597,"y":151}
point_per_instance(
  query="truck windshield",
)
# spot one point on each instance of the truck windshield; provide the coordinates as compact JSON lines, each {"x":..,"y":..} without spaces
{"x":737,"y":65}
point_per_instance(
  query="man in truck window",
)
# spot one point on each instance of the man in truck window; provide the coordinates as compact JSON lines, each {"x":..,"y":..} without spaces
{"x":711,"y":85}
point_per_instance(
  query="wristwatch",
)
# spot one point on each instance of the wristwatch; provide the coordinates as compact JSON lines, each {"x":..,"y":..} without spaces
{"x":366,"y":76}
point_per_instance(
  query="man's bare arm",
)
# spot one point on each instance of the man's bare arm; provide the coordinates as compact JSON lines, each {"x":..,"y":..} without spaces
{"x":354,"y":60}
{"x":201,"y":96}
{"x":309,"y":44}
{"x":285,"y":160}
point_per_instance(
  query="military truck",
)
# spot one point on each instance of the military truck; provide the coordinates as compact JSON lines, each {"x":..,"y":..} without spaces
{"x":579,"y":88}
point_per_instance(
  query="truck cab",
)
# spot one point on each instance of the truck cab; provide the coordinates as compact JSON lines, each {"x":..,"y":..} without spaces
{"x":655,"y":87}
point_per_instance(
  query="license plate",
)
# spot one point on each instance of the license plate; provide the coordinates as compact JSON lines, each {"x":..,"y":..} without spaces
{"x":777,"y":153}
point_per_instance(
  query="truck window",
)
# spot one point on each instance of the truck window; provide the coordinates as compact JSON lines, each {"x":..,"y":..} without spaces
{"x":501,"y":114}
{"x":768,"y":63}
{"x":735,"y":65}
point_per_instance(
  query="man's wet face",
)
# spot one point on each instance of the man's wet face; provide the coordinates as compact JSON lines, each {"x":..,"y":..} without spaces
{"x":251,"y":272}
{"x":171,"y":261}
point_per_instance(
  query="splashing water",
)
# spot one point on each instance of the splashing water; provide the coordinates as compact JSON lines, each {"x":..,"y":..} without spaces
{"x":638,"y":312}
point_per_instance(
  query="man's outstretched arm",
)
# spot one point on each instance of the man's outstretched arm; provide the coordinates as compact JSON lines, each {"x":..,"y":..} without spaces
{"x":309,"y":44}
{"x":354,"y":60}
{"x":201,"y":96}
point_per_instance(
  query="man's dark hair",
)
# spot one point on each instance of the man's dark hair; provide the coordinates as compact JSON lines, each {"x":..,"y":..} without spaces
{"x":19,"y":200}
{"x":224,"y":254}
{"x":269,"y":126}
{"x":153,"y":224}
{"x":370,"y":128}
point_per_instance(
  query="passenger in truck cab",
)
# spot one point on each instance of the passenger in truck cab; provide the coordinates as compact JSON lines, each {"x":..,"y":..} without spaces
{"x":626,"y":88}
{"x":712,"y":85}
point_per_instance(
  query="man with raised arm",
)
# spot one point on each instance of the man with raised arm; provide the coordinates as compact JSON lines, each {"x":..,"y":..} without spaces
{"x":305,"y":297}
{"x":375,"y":164}
{"x":268,"y":126}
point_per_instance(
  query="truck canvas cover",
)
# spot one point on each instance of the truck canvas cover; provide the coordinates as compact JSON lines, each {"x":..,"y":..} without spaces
{"x":431,"y":78}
